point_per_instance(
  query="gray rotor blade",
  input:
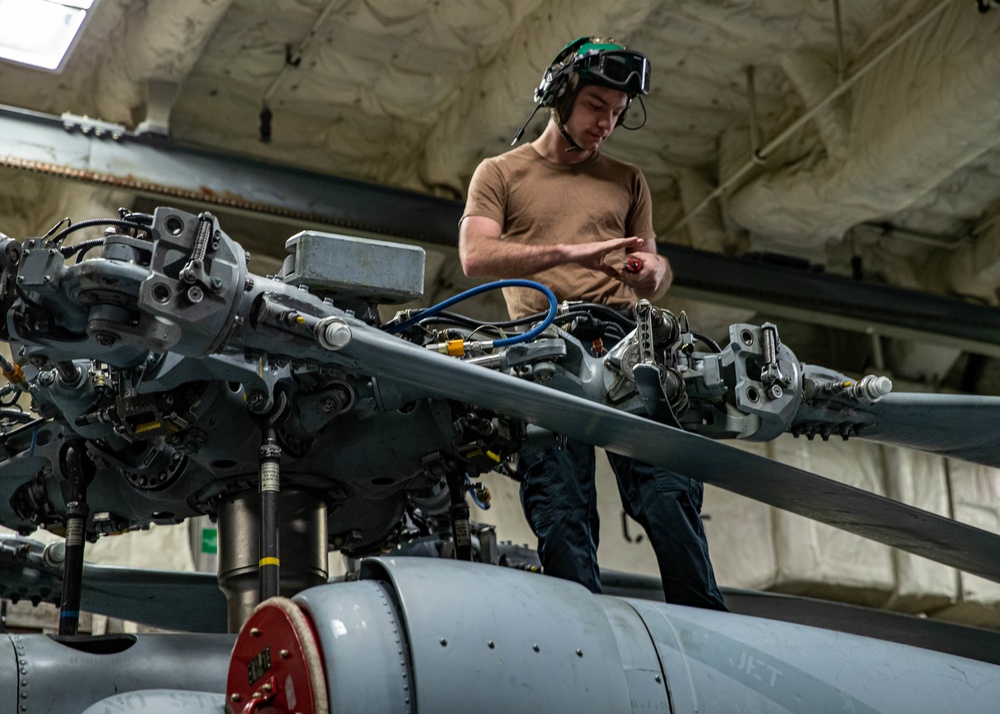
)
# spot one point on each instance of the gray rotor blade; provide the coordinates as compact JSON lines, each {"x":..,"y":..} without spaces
{"x":961,"y":426}
{"x":786,"y":487}
{"x":173,"y":600}
{"x":167,"y":599}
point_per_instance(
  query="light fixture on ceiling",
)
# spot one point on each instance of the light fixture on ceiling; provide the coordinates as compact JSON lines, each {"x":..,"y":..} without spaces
{"x":41,"y":33}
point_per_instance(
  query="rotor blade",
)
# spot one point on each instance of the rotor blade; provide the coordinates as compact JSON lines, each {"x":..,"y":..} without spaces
{"x":786,"y":487}
{"x":957,"y":425}
{"x":172,"y":600}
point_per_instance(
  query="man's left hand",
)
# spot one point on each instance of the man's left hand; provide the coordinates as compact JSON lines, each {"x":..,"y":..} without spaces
{"x":652,"y":279}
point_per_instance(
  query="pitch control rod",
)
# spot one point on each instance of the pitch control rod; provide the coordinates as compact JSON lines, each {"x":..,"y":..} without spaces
{"x":76,"y":531}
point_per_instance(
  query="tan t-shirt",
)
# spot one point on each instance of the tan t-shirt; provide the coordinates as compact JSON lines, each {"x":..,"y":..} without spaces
{"x":539,"y":202}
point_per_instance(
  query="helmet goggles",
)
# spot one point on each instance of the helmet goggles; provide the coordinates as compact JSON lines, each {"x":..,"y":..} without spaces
{"x":592,"y":60}
{"x":624,"y":70}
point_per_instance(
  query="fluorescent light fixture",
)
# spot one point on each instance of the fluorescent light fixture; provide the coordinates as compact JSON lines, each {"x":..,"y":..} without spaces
{"x":40,"y":33}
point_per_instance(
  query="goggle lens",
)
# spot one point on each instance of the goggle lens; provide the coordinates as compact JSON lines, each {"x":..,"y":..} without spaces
{"x":627,"y":70}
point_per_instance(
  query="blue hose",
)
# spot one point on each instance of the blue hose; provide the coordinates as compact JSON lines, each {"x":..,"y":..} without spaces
{"x":515,"y":283}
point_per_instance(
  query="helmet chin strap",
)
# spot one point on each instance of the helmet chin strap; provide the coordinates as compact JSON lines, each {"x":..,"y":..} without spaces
{"x":573,"y":146}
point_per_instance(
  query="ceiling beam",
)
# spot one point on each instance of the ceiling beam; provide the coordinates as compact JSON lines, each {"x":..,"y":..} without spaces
{"x":97,"y":152}
{"x":164,"y":169}
{"x":802,"y":294}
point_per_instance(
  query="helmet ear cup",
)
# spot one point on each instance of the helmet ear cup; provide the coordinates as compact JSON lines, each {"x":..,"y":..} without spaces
{"x":563,"y":102}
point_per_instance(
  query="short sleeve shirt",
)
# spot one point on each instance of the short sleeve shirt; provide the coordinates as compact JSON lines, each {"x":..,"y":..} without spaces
{"x":539,"y":202}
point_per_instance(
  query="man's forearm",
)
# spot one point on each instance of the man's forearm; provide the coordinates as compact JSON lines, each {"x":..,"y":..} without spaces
{"x":493,"y":257}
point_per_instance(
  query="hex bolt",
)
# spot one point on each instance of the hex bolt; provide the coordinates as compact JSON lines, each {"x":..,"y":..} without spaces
{"x":579,"y":653}
{"x":54,"y":554}
{"x":254,"y":632}
{"x":234,"y":697}
{"x":284,"y":654}
{"x":443,"y":641}
{"x":334,"y":333}
{"x":536,"y":648}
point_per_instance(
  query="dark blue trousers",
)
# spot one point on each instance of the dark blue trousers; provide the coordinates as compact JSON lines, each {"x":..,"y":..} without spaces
{"x":559,"y":497}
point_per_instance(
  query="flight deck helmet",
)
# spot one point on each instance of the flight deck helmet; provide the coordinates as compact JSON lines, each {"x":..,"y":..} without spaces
{"x":592,"y":60}
{"x":589,"y":60}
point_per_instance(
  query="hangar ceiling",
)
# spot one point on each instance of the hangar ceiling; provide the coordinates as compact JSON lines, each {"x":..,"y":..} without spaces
{"x":848,"y":138}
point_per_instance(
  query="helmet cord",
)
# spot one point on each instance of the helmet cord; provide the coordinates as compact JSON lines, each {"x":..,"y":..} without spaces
{"x":644,"y":115}
{"x":520,"y":132}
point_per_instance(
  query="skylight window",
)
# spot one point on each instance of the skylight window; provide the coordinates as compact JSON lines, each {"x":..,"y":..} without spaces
{"x":40,"y":32}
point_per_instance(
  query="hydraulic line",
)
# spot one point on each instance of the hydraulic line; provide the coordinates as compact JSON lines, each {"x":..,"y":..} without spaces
{"x":478,"y":290}
{"x":115,"y":222}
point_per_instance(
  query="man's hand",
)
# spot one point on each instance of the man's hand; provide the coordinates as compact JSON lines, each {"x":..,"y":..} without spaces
{"x":652,"y":279}
{"x":485,"y":254}
{"x":591,"y":255}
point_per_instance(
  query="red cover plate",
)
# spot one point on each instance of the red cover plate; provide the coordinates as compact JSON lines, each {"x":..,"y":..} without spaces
{"x":276,"y":667}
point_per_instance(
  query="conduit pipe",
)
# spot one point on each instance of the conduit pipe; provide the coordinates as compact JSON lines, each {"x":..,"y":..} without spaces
{"x":295,"y":54}
{"x":761,"y":155}
{"x":930,"y":111}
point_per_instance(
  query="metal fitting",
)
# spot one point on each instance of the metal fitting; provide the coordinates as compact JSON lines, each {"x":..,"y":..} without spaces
{"x":333,"y":333}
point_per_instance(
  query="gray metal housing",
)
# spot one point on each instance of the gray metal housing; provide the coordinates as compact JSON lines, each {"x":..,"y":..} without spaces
{"x":39,"y":674}
{"x":355,"y":267}
{"x":420,"y":636}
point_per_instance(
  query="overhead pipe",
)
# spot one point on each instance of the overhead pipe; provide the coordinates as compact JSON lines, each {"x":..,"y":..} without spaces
{"x":293,"y":56}
{"x":762,"y":154}
{"x":839,"y":28}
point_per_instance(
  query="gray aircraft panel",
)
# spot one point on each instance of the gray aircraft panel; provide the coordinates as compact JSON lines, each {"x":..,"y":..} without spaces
{"x":66,"y":675}
{"x":158,"y":701}
{"x":751,"y":664}
{"x":928,"y":633}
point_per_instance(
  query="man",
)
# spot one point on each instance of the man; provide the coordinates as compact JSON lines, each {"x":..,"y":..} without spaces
{"x":560,"y":212}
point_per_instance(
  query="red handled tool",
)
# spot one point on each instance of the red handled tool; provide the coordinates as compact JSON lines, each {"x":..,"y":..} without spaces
{"x":632,"y":265}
